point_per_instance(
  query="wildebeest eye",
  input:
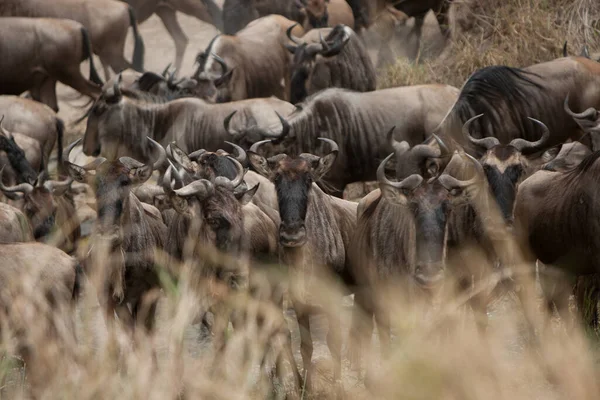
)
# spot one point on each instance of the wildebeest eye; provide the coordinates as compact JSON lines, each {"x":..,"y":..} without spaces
{"x":455,"y":191}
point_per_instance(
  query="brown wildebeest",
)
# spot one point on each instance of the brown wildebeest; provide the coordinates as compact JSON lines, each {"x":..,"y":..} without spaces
{"x":118,"y":125}
{"x":338,"y":60}
{"x":126,"y":236}
{"x":326,"y":13}
{"x":36,"y":120}
{"x":358,"y":123}
{"x":413,"y":234}
{"x":38,"y":52}
{"x":22,"y":157}
{"x":314,"y":240}
{"x":107,"y":22}
{"x":14,"y":226}
{"x":166,"y":10}
{"x":566,"y":157}
{"x":50,"y":209}
{"x":508,"y":96}
{"x":239,"y":13}
{"x":256,"y":56}
{"x":506,"y":166}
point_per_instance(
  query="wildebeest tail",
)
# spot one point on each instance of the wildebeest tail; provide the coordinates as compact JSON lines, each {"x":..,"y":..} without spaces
{"x":138,"y":48}
{"x":60,"y":130}
{"x":215,"y":13}
{"x":78,"y":285}
{"x":87,"y":53}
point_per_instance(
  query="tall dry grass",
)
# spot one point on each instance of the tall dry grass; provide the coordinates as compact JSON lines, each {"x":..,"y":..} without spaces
{"x":503,"y":32}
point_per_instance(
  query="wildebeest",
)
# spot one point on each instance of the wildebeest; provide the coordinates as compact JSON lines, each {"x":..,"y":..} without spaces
{"x":508,"y":96}
{"x":338,"y":60}
{"x":324,"y":13}
{"x":507,"y":165}
{"x":566,"y":157}
{"x":411,"y":234}
{"x":14,"y":226}
{"x":358,"y":123}
{"x":35,"y":120}
{"x":561,"y":231}
{"x":257,"y":58}
{"x":107,"y":22}
{"x":118,"y":125}
{"x":22,"y":152}
{"x":166,"y":10}
{"x":50,"y":209}
{"x":314,"y":238}
{"x":38,"y":52}
{"x":239,"y":13}
{"x":126,"y":236}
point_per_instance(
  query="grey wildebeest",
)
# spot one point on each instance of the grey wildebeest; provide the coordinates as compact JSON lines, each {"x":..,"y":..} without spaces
{"x":205,"y":10}
{"x":507,"y":165}
{"x":358,"y":123}
{"x":561,"y":231}
{"x":118,"y":125}
{"x":414,"y":233}
{"x":257,"y":58}
{"x":107,"y":22}
{"x":50,"y":209}
{"x":239,"y":13}
{"x":38,"y":52}
{"x":508,"y":96}
{"x":126,"y":235}
{"x":35,"y":120}
{"x":338,"y":60}
{"x":21,"y":154}
{"x":314,"y":240}
{"x":14,"y":226}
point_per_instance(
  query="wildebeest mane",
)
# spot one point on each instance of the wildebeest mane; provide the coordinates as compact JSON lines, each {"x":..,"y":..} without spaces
{"x":586,"y":166}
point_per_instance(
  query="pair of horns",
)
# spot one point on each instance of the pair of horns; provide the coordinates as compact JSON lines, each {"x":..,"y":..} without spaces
{"x":520,"y":144}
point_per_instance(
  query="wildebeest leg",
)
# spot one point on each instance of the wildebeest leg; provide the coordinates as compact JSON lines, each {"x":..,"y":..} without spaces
{"x":419,"y":21}
{"x":74,"y":79}
{"x":556,"y":287}
{"x":47,"y":94}
{"x":168,"y":17}
{"x":442,"y":17}
{"x":361,"y":329}
{"x":194,"y":8}
{"x":334,"y":342}
{"x":306,"y":344}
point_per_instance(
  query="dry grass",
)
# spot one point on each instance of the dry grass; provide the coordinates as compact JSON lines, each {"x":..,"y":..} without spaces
{"x":506,"y":32}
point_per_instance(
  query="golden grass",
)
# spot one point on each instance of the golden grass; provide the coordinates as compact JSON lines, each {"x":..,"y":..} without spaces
{"x":503,"y":32}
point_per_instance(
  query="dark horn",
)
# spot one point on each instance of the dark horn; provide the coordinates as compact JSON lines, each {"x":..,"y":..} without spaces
{"x":409,"y":182}
{"x":294,"y":39}
{"x":444,"y":150}
{"x":162,"y":154}
{"x":334,"y":146}
{"x":487,"y":143}
{"x":522,"y":144}
{"x":226,"y":123}
{"x":239,"y":177}
{"x":285,"y":126}
{"x":221,"y":62}
{"x":166,"y":71}
{"x":240,"y":154}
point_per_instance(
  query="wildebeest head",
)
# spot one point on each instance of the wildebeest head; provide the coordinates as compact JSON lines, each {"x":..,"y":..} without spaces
{"x":213,"y":74}
{"x":213,"y":207}
{"x":168,"y":87}
{"x":565,"y":157}
{"x":293,"y":178}
{"x":422,"y":157}
{"x":305,"y":56}
{"x":428,"y":203}
{"x":315,"y":12}
{"x":16,"y":156}
{"x":506,"y":166}
{"x":39,"y":201}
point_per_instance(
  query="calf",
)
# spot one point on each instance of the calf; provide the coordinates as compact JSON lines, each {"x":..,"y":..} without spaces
{"x":314,"y":238}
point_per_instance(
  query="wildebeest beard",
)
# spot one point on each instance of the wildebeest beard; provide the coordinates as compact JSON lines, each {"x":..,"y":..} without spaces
{"x":17,"y":160}
{"x":503,"y":187}
{"x":292,"y":196}
{"x":44,"y":228}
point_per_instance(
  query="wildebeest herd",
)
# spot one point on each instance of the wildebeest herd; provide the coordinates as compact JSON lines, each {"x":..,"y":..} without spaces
{"x":245,"y":163}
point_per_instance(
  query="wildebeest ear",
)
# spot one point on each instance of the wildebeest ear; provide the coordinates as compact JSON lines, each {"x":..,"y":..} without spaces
{"x":324,"y":165}
{"x":76,"y":172}
{"x":245,"y":196}
{"x":140,"y":174}
{"x":179,"y":203}
{"x":393,"y":195}
{"x":260,"y":164}
{"x":180,"y":157}
{"x":224,"y":79}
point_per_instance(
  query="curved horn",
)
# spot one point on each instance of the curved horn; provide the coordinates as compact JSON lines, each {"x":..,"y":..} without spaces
{"x":334,"y":146}
{"x":162,"y":154}
{"x":444,"y":150}
{"x":21,"y":187}
{"x":255,"y":146}
{"x":239,"y":177}
{"x":166,"y":70}
{"x":285,"y":126}
{"x":293,"y":38}
{"x":67,"y":151}
{"x":449,"y":182}
{"x":201,"y":188}
{"x":409,"y":182}
{"x":240,"y":154}
{"x":226,"y":123}
{"x":487,"y":143}
{"x":399,"y":147}
{"x":116,"y":88}
{"x":59,"y":185}
{"x":336,"y":47}
{"x":522,"y":144}
{"x":583,"y":115}
{"x":4,"y":131}
{"x":221,"y":62}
